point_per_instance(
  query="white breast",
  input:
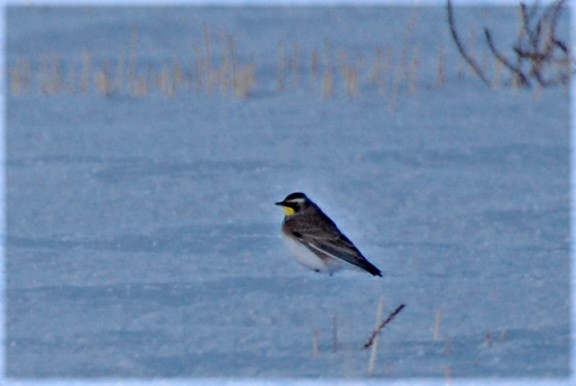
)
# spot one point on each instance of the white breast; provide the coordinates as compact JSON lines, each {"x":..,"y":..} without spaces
{"x":308,"y":258}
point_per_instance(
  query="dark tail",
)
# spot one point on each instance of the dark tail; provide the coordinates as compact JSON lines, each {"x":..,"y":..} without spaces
{"x":371,"y":268}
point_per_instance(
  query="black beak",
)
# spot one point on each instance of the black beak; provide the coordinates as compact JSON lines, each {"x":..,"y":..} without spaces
{"x":281,"y":203}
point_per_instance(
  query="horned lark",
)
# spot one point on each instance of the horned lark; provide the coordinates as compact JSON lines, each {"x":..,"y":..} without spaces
{"x":316,"y":241}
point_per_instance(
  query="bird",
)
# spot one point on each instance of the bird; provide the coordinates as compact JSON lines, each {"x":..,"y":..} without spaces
{"x":316,"y":241}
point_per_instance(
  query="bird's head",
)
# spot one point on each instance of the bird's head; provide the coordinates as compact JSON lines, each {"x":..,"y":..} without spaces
{"x":295,"y":203}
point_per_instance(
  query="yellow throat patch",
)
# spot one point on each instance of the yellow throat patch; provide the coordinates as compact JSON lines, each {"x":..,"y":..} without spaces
{"x":288,"y":211}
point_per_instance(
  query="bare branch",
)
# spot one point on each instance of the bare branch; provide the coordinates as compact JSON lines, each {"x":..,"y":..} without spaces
{"x":560,"y":44}
{"x":553,"y":11}
{"x":526,"y":17}
{"x":517,"y":71}
{"x":461,"y":48}
{"x":536,"y":50}
{"x":533,"y":8}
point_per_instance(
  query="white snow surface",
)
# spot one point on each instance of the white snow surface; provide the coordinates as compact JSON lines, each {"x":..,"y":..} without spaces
{"x":143,"y":243}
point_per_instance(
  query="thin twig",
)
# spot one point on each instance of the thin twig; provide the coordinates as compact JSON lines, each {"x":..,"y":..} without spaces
{"x":526,"y":16}
{"x":523,"y":80}
{"x":461,"y":48}
{"x":382,"y":325}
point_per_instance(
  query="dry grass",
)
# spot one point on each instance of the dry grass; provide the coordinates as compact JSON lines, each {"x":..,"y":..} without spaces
{"x":315,"y":350}
{"x":209,"y":71}
{"x":436,"y":330}
{"x":215,"y":67}
{"x":374,"y":348}
{"x":441,"y":72}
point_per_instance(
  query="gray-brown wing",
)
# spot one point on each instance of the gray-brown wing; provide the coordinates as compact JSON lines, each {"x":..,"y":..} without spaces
{"x":325,"y":237}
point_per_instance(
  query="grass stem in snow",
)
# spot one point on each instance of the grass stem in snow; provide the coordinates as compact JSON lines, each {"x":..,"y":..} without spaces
{"x":382,"y":325}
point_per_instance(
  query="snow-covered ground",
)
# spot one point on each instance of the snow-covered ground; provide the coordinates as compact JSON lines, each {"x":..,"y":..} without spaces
{"x":143,"y":242}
